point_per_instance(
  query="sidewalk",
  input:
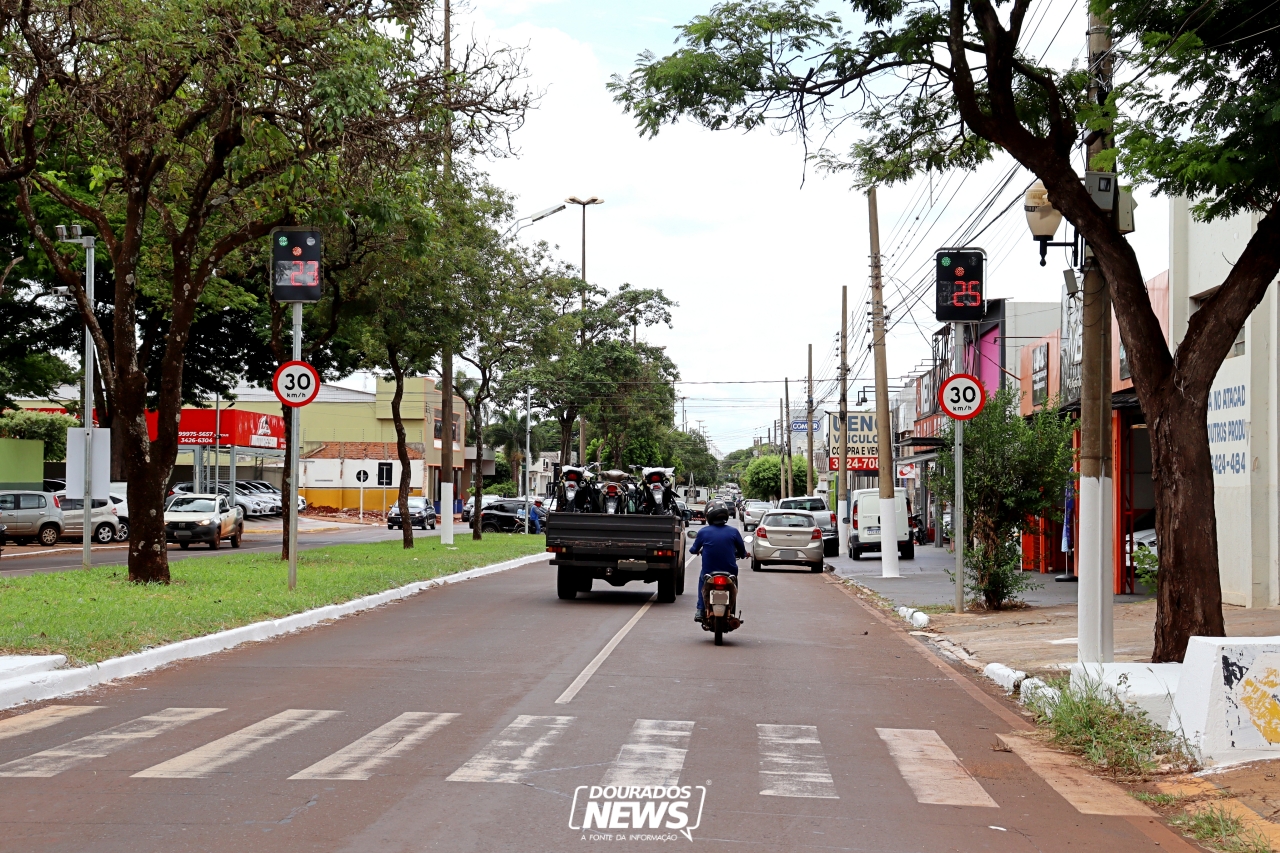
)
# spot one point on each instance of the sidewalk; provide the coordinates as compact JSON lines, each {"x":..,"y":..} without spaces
{"x":1041,"y":635}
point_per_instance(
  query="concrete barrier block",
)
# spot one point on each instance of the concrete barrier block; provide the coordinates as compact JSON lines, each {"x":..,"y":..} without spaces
{"x":1228,"y":698}
{"x":920,"y":620}
{"x":1035,"y":690}
{"x":1148,"y":687}
{"x":1006,"y":677}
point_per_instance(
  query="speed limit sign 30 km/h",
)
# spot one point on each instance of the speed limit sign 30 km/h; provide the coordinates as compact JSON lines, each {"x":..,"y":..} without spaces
{"x":296,"y":383}
{"x":962,"y":396}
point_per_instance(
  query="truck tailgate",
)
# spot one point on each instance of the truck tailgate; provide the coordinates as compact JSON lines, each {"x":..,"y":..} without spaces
{"x":593,"y":530}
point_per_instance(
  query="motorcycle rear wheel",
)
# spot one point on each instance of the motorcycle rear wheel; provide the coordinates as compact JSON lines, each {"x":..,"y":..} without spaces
{"x":719,"y":634}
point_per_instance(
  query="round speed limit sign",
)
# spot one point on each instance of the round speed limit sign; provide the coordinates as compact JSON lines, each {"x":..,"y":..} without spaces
{"x":962,"y":396}
{"x":296,"y":383}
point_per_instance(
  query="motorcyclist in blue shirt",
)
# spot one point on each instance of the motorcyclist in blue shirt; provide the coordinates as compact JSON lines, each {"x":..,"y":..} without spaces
{"x":720,"y":545}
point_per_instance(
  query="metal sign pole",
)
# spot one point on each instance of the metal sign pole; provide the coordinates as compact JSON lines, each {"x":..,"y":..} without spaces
{"x":86,"y":417}
{"x":957,"y":507}
{"x":295,"y":430}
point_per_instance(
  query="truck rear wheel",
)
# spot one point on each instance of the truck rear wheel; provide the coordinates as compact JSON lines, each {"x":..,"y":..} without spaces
{"x":680,"y":579}
{"x":566,"y":584}
{"x":667,"y":588}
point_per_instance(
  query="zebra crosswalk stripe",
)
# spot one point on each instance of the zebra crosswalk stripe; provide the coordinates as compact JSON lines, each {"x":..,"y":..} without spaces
{"x":53,"y":761}
{"x":932,"y":770}
{"x":792,"y":763}
{"x":653,"y":754}
{"x":359,"y":760}
{"x":206,"y":760}
{"x":43,"y":718}
{"x":513,"y":753}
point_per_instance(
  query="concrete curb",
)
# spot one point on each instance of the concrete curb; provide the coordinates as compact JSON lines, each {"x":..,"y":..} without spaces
{"x":36,"y":686}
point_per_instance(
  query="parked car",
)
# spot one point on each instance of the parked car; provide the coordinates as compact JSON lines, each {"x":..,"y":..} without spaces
{"x":864,"y":528}
{"x":485,"y":501}
{"x":29,"y":515}
{"x":752,"y":512}
{"x":204,"y":518}
{"x":121,"y":503}
{"x":826,"y":520}
{"x":685,"y":512}
{"x":503,"y":516}
{"x":787,"y":536}
{"x":104,"y":522}
{"x":421,"y":514}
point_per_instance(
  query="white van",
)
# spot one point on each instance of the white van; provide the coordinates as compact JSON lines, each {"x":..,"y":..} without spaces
{"x":864,"y":527}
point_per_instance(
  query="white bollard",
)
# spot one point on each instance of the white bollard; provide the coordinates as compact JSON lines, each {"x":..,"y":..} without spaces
{"x":446,"y":513}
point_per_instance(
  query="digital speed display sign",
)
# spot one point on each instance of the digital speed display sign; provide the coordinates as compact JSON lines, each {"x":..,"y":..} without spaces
{"x":960,"y":286}
{"x":295,"y":264}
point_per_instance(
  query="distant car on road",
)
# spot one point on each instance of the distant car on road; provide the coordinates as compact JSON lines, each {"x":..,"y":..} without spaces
{"x":864,"y":530}
{"x":421,"y":514}
{"x":104,"y":522}
{"x":752,"y":512}
{"x":469,"y":506}
{"x":503,"y":516}
{"x":787,"y":536}
{"x":204,"y":518}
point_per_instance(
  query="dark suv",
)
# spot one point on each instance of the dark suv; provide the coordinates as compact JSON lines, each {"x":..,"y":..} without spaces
{"x":421,"y":514}
{"x":505,"y":516}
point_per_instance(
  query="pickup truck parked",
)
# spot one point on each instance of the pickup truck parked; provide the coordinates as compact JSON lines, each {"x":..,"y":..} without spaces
{"x":202,"y":518}
{"x":617,"y":549}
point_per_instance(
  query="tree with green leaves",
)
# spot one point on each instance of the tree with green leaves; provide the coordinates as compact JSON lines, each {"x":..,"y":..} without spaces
{"x":763,"y":478}
{"x":1015,"y":469}
{"x":39,"y":426}
{"x":933,"y":88}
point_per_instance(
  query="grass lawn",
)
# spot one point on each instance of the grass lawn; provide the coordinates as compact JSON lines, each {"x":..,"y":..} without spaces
{"x":93,"y":615}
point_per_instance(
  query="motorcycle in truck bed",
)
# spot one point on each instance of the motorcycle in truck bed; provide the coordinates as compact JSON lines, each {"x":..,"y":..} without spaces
{"x":617,"y":549}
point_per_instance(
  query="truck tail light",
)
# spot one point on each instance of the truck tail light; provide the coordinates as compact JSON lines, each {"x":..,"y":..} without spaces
{"x":664,"y":552}
{"x":556,"y":549}
{"x":761,"y":533}
{"x":833,"y":519}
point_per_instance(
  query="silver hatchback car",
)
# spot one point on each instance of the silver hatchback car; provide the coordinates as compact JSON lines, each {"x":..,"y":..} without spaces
{"x":787,"y":536}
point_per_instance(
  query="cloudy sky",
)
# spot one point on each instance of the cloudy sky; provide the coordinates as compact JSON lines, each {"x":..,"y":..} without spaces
{"x":731,"y":227}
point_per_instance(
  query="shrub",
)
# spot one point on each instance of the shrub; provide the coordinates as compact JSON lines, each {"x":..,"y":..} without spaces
{"x":996,"y":574}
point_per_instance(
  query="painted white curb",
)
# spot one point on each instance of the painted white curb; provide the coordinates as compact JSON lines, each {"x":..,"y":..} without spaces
{"x":46,"y":685}
{"x":1007,"y":677}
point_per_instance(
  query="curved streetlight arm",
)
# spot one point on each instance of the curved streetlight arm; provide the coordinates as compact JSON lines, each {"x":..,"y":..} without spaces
{"x":533,"y":217}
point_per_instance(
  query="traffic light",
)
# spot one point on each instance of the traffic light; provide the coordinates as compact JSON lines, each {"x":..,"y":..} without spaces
{"x":295,"y":264}
{"x":960,"y":286}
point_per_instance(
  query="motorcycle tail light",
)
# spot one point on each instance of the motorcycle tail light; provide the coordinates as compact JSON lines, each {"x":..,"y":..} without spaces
{"x":613,"y":490}
{"x":817,"y":534}
{"x":719,"y":580}
{"x":761,"y":533}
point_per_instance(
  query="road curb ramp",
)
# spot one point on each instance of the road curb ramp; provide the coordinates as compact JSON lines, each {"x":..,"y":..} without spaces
{"x":34,"y":686}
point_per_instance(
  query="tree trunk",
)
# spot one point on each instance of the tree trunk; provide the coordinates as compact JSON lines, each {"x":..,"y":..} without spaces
{"x":477,"y":473}
{"x":402,"y":448}
{"x":1189,"y":597}
{"x":566,"y":436}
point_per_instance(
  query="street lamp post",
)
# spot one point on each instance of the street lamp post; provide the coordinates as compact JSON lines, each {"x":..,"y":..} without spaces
{"x":534,"y":217}
{"x":71,"y":234}
{"x":584,"y":204}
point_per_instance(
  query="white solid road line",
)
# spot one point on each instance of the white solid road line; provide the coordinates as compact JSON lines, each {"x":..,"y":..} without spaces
{"x":358,"y":761}
{"x":653,"y":754}
{"x":932,"y":770}
{"x":510,"y":755}
{"x":53,"y":761}
{"x":213,"y":756}
{"x":43,"y":718}
{"x":583,"y":677}
{"x":792,"y":763}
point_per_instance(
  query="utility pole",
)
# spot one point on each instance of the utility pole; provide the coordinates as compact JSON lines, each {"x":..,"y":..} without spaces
{"x":1096,"y":566}
{"x":446,"y":352}
{"x":842,"y":476}
{"x":528,"y":461}
{"x":884,"y":428}
{"x":809,"y":426}
{"x":957,"y":453}
{"x":786,"y":432}
{"x":782,"y":462}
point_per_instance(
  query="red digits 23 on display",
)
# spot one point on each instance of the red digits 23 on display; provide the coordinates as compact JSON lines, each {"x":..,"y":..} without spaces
{"x":304,"y":273}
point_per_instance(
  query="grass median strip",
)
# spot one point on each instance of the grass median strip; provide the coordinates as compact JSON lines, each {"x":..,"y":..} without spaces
{"x":91,"y":616}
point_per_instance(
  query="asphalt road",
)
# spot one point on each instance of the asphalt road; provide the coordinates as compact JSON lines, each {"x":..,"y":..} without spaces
{"x":32,"y":559}
{"x":433,"y":724}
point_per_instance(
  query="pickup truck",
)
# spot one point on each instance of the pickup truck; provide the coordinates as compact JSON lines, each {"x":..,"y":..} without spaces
{"x":617,"y":549}
{"x":202,"y":518}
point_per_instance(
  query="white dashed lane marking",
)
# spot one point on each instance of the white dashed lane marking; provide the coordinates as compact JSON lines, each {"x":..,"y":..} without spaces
{"x":53,"y":761}
{"x":214,"y":756}
{"x":653,"y":754}
{"x":792,"y":763}
{"x":514,"y":752}
{"x":932,"y":770}
{"x":359,"y":760}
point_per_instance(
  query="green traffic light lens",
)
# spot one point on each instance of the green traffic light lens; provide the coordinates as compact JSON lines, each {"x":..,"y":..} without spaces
{"x":946,"y":262}
{"x":284,"y":241}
